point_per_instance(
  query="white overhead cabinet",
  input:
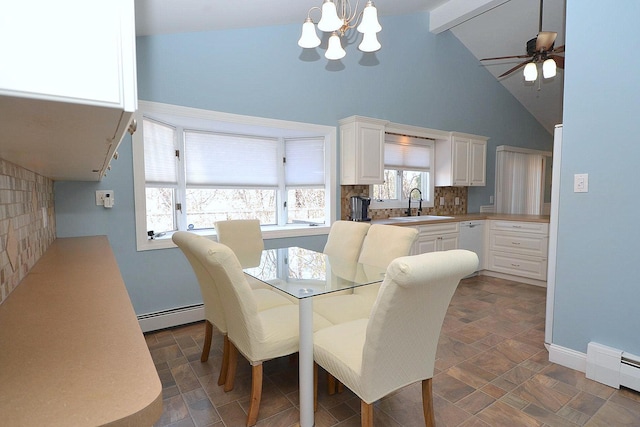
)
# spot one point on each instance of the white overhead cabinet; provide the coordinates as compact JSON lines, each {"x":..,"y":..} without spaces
{"x":461,"y":160}
{"x":362,"y":150}
{"x":67,"y":84}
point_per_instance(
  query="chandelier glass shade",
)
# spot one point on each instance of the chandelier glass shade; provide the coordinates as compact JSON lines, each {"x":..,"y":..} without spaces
{"x":531,"y":69}
{"x":549,"y":68}
{"x":337,"y":18}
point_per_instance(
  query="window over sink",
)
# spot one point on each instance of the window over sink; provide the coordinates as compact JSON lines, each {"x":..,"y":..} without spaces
{"x":408,"y":164}
{"x":194,"y":167}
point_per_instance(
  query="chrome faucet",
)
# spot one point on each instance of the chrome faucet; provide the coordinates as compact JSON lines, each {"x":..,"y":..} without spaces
{"x":408,"y":211}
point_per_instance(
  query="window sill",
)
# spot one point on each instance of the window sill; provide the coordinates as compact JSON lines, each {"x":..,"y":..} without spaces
{"x":268,"y":232}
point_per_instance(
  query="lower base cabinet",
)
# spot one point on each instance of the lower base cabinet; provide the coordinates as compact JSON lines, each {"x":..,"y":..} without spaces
{"x":519,"y":248}
{"x":437,"y":237}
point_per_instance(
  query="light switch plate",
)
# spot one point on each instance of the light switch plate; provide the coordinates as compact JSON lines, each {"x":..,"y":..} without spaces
{"x":581,"y":183}
{"x":100,"y":196}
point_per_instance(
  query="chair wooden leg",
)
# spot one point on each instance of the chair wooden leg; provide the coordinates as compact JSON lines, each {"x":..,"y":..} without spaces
{"x":231,"y":370}
{"x":222,"y":378}
{"x":366,"y":417}
{"x":340,"y":387}
{"x":427,"y":403}
{"x":208,"y":332}
{"x":315,"y":386}
{"x":331,"y":384}
{"x":256,"y":394}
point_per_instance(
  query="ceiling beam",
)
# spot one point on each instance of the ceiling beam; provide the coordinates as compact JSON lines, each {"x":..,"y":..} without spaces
{"x":455,"y":12}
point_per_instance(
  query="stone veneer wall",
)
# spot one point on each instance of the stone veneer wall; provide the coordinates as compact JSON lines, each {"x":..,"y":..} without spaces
{"x":27,"y":223}
{"x":448,"y":208}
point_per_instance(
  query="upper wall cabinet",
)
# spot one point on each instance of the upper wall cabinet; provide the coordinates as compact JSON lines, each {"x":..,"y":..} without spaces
{"x":461,"y":160}
{"x":67,"y":84}
{"x":362,"y":150}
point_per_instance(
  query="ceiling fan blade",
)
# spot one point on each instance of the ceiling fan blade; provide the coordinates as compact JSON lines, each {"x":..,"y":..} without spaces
{"x":559,"y":49}
{"x":522,"y":64}
{"x":545,"y":40}
{"x":505,"y":57}
{"x":559,"y":60}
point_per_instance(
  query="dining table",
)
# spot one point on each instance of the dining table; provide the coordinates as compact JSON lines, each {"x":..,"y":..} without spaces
{"x":306,"y":274}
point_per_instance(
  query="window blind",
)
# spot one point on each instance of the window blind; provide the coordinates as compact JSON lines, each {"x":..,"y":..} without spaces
{"x":159,"y":153}
{"x":218,"y":159}
{"x":305,"y":162}
{"x":404,"y":152}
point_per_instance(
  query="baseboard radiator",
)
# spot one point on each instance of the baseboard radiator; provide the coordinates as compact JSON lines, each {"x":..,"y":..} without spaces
{"x":613,"y":367}
{"x":170,"y":318}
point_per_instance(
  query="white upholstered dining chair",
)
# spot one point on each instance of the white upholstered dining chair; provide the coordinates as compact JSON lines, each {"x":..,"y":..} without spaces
{"x":259,"y":335}
{"x":382,"y":244}
{"x":244,"y":237}
{"x":396,"y":345}
{"x":345,"y":239}
{"x":213,"y":305}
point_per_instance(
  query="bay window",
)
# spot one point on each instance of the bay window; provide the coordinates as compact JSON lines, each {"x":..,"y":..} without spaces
{"x":197,"y":167}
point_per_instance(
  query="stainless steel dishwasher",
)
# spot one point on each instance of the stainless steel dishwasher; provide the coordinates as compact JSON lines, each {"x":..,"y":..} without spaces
{"x":472,"y":238}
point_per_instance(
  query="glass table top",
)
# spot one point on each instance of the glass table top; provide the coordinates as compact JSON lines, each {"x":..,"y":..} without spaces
{"x":304,"y":273}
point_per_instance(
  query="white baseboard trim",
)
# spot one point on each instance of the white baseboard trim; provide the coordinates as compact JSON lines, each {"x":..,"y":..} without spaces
{"x":170,"y":318}
{"x":568,"y":358}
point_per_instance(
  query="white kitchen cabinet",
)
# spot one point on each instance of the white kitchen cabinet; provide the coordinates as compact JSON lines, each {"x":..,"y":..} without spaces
{"x":519,"y":248}
{"x":67,"y":84}
{"x":461,"y":160}
{"x":362,"y":150}
{"x":436,"y":237}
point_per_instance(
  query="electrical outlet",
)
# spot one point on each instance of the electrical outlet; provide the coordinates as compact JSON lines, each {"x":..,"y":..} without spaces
{"x":457,"y":201}
{"x":102,"y":194}
{"x":441,"y":201}
{"x":581,"y":183}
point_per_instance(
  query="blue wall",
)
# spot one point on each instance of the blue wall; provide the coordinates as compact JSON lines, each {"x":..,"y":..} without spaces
{"x":597,"y":291}
{"x":417,"y":78}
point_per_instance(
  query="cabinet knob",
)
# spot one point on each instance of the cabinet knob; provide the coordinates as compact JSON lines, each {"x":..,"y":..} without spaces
{"x":133,"y":126}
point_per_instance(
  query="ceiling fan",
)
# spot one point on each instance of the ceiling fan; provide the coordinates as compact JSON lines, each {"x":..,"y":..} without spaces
{"x":540,"y":49}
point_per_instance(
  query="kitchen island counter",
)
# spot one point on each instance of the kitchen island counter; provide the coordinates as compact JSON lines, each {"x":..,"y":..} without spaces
{"x":72,"y":352}
{"x":466,"y":217}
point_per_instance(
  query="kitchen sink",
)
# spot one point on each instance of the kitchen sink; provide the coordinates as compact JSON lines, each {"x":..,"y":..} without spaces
{"x":420,"y":218}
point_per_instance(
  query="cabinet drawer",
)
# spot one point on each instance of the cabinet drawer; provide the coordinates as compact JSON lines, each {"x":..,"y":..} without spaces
{"x":525,"y":227}
{"x":520,"y":243}
{"x":447,"y":227}
{"x":518,"y":265}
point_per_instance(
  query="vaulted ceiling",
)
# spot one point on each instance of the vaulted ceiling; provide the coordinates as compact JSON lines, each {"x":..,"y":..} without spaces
{"x":488,"y":28}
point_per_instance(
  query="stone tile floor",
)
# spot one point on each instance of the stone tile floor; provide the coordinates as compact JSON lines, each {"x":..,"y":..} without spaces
{"x":492,"y":369}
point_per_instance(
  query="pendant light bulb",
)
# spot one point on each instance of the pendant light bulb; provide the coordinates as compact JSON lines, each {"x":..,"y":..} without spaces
{"x":549,"y":68}
{"x":309,"y":39}
{"x":369,"y":43}
{"x":369,"y":21}
{"x":530,"y":72}
{"x":329,"y":21}
{"x":335,"y":50}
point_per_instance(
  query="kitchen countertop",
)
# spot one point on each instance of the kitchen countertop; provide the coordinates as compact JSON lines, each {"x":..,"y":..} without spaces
{"x":72,"y":352}
{"x":467,"y":217}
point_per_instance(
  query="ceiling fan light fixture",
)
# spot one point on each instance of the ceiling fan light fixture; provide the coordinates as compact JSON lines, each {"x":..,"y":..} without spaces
{"x":549,"y":68}
{"x":530,"y":72}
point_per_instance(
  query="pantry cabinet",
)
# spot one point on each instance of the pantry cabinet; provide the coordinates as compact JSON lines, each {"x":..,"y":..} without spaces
{"x":362,"y":150}
{"x":436,"y":237}
{"x":461,"y":160}
{"x":519,"y":248}
{"x":67,"y":85}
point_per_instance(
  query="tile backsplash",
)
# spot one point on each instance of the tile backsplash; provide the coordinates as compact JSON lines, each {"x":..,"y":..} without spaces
{"x":27,"y":223}
{"x":449,"y":206}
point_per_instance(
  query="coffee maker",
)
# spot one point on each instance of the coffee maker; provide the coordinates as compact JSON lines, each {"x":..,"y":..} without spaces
{"x":360,"y":208}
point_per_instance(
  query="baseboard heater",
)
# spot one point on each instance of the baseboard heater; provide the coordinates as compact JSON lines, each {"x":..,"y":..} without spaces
{"x":613,"y":367}
{"x":169,"y":318}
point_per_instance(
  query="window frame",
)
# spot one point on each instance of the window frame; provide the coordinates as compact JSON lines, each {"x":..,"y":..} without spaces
{"x":188,"y":117}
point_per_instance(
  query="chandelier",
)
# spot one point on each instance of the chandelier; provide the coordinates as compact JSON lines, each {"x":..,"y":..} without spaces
{"x":337,"y":18}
